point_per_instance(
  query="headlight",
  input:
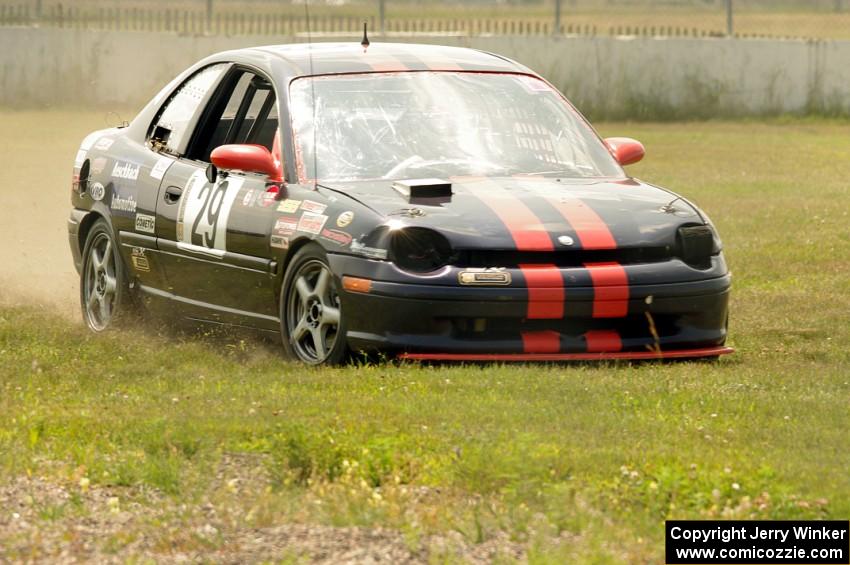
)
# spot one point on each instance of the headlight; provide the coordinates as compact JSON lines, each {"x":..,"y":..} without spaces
{"x":696,"y":245}
{"x":420,"y":250}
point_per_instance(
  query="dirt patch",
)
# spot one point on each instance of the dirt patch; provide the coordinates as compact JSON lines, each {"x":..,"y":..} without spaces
{"x":45,"y":521}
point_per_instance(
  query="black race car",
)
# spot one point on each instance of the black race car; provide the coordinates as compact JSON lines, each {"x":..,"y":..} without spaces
{"x":424,"y":201}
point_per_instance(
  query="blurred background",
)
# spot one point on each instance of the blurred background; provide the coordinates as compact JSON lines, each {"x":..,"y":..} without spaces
{"x":807,"y":19}
{"x":615,"y":59}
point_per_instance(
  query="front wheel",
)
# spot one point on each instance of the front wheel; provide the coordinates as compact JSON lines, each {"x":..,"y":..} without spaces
{"x":312,"y":321}
{"x":104,"y":292}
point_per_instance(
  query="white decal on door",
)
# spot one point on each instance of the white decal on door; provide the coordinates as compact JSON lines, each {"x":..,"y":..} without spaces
{"x":204,"y":211}
{"x":162,"y":164}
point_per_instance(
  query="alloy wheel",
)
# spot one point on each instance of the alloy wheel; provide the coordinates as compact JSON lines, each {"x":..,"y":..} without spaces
{"x":100,"y":288}
{"x":313,"y":312}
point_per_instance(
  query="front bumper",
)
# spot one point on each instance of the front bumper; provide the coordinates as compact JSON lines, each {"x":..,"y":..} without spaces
{"x":703,"y":352}
{"x":435,"y":317}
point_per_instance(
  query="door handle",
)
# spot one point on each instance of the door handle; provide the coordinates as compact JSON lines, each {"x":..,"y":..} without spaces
{"x":172,"y":194}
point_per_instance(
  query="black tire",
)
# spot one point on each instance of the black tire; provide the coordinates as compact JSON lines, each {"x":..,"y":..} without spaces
{"x":312,"y":324}
{"x":104,"y":292}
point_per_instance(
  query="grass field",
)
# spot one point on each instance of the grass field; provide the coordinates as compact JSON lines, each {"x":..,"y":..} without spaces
{"x":147,"y":444}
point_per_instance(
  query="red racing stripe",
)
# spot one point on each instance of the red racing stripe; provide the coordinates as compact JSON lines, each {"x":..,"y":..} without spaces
{"x":610,"y":290}
{"x":610,"y":283}
{"x":434,"y":61}
{"x":441,"y":64}
{"x":545,"y":292}
{"x":592,"y":231}
{"x":541,"y":342}
{"x":526,"y":229}
{"x":384,"y":62}
{"x":603,"y":341}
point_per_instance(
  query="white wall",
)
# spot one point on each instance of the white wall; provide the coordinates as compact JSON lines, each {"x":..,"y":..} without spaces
{"x":604,"y":76}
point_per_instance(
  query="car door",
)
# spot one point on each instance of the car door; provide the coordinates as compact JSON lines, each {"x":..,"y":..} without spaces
{"x":216,"y":233}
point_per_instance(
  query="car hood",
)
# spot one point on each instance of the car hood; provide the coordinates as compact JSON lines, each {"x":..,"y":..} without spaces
{"x":535,"y":214}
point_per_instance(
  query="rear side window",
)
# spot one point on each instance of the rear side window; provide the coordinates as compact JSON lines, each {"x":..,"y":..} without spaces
{"x":244,"y":111}
{"x":173,"y":126}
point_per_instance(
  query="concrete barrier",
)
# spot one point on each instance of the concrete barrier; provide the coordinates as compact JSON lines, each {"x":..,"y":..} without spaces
{"x":639,"y":78}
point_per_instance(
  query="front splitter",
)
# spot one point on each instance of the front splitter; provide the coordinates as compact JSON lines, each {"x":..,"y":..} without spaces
{"x":601,"y":356}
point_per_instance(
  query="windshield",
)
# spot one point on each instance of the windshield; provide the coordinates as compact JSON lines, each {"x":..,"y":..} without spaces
{"x":426,"y":124}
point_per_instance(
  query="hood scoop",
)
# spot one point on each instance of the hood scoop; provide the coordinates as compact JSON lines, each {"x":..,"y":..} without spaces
{"x":429,"y":192}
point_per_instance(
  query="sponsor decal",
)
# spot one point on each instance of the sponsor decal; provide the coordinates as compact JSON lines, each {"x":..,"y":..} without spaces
{"x":204,"y":212}
{"x":97,"y":191}
{"x":484,"y":277}
{"x":344,"y":219}
{"x":280,"y":241}
{"x":268,"y":197}
{"x":370,"y":252}
{"x":285,"y":226}
{"x":311,"y":223}
{"x":80,"y":158}
{"x":248,"y":199}
{"x":123,"y":204}
{"x":161,"y":167}
{"x":126,"y":171}
{"x":97,"y":165}
{"x":104,"y":143}
{"x":314,"y":207}
{"x":288,"y":206}
{"x":145,"y":223}
{"x":336,"y":236}
{"x":140,"y":261}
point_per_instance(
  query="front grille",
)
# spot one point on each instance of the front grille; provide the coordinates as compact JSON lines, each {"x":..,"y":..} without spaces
{"x":566,"y":258}
{"x":636,"y":332}
{"x":635,"y":325}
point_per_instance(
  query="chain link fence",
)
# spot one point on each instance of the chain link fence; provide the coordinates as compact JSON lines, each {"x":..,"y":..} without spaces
{"x":808,"y":19}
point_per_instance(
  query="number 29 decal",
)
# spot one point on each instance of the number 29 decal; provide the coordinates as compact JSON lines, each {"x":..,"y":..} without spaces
{"x":204,"y":210}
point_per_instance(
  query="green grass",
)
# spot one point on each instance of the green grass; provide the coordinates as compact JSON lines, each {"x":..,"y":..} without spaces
{"x":598,"y":455}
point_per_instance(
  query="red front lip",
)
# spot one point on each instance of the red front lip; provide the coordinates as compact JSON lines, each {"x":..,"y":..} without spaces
{"x":602,"y":356}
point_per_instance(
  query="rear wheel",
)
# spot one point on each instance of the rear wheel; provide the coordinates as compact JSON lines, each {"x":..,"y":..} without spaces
{"x":104,"y":293}
{"x":312,"y":321}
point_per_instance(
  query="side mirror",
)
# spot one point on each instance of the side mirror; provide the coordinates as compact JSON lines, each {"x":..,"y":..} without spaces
{"x":246,"y":157}
{"x":625,"y":150}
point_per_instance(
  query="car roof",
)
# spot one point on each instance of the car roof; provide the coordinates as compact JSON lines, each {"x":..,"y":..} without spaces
{"x":284,"y":63}
{"x":332,"y":58}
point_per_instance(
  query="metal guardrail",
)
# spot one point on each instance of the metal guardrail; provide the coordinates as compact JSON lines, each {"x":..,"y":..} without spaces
{"x":709,"y":18}
{"x":198,"y":22}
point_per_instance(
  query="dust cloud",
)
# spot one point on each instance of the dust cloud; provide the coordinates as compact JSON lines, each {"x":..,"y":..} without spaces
{"x":37,"y":150}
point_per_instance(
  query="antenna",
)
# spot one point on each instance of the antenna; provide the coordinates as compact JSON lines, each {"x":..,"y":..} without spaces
{"x":365,"y":41}
{"x":313,"y":96}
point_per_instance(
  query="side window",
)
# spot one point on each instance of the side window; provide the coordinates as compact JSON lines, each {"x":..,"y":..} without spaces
{"x":246,"y":112}
{"x":254,"y":116}
{"x":215,"y":132}
{"x":172,"y":127}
